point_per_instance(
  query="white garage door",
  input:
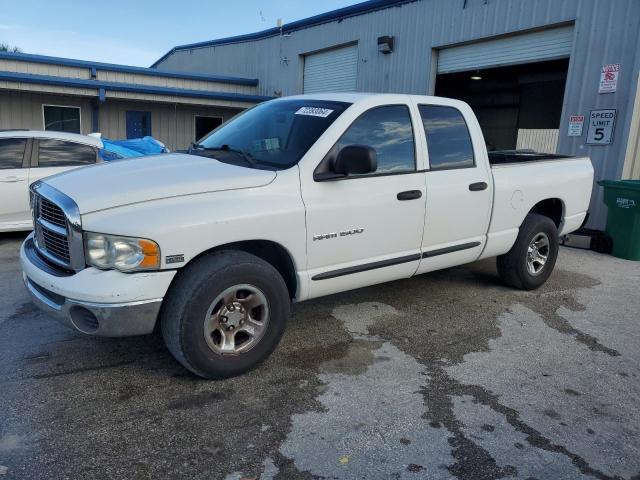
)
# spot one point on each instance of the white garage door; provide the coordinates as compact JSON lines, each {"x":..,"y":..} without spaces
{"x":331,"y":71}
{"x":539,"y":46}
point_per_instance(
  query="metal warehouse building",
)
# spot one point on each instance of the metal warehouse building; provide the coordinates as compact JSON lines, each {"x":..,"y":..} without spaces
{"x":49,"y":93}
{"x":554,"y":75}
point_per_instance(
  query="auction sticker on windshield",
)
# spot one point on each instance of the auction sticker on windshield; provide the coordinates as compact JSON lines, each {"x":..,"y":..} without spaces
{"x":315,"y":111}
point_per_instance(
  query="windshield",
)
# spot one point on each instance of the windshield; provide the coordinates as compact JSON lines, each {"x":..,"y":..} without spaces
{"x":274,"y":134}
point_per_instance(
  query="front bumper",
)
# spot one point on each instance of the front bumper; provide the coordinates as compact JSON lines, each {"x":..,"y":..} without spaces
{"x":103,"y":303}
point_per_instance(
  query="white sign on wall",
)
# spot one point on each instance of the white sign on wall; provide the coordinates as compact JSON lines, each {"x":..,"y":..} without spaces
{"x":575,"y":125}
{"x":601,"y":125}
{"x":609,"y":78}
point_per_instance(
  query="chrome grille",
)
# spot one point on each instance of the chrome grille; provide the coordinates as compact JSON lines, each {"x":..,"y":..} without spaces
{"x":57,"y":227}
{"x":52,"y":213}
{"x":56,"y":244}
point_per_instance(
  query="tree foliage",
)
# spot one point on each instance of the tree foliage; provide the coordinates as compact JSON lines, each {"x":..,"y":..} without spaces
{"x":5,"y":47}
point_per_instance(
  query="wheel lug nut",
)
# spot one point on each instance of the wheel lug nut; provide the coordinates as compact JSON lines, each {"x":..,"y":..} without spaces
{"x":223,"y":319}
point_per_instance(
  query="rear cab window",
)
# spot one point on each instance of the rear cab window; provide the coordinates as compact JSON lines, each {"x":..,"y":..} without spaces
{"x":12,"y":152}
{"x":59,"y":153}
{"x":448,"y":138}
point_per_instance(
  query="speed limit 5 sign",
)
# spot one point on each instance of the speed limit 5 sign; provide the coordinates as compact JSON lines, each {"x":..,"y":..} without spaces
{"x":601,"y":125}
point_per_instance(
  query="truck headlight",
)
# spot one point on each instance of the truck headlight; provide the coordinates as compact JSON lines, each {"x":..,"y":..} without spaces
{"x":126,"y":254}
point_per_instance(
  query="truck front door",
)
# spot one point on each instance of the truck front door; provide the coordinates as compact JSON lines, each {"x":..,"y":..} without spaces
{"x":459,"y":188}
{"x":367,"y":229}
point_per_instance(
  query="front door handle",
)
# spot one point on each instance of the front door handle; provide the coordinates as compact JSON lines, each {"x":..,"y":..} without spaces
{"x":409,"y":195}
{"x":478,"y":186}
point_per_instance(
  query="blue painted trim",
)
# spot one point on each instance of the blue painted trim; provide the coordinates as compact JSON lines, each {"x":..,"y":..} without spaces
{"x":332,"y":16}
{"x":128,"y":87}
{"x":95,"y":115}
{"x":68,"y":62}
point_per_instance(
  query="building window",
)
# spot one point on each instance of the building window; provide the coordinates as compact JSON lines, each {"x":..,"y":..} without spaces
{"x":61,"y":119}
{"x":204,"y":125}
{"x":138,"y":124}
{"x":59,"y":153}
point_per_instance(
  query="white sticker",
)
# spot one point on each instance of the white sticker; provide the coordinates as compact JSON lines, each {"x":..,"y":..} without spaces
{"x":315,"y":112}
{"x":609,"y":78}
{"x":575,"y":125}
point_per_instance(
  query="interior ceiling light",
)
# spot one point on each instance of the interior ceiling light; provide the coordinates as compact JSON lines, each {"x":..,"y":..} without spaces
{"x":476,"y":75}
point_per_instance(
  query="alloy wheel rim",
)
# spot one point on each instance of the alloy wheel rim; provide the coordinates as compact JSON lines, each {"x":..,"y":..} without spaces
{"x":236,"y":320}
{"x":538,"y":253}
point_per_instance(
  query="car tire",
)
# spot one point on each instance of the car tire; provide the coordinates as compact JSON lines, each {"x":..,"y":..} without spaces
{"x":214,"y":304}
{"x":523,"y":266}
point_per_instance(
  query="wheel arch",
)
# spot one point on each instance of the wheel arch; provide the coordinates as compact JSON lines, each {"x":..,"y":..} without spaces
{"x":271,"y":252}
{"x":552,"y":208}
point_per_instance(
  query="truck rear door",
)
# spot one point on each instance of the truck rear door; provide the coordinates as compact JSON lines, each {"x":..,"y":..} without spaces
{"x":459,"y":186}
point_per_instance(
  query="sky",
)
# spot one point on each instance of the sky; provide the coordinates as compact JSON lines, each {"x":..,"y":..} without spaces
{"x":138,"y":32}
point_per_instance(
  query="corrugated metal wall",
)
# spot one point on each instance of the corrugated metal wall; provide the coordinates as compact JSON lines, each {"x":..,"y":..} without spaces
{"x":24,"y":110}
{"x":605,"y":32}
{"x":170,"y":123}
{"x":174,"y":125}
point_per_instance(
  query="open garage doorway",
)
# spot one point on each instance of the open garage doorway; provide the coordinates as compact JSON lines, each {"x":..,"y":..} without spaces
{"x":518,"y":107}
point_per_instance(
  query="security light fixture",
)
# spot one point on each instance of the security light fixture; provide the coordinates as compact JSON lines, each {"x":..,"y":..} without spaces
{"x":476,"y":75}
{"x":385,"y":44}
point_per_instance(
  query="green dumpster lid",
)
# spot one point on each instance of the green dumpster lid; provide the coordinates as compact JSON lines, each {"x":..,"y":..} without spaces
{"x":626,"y":184}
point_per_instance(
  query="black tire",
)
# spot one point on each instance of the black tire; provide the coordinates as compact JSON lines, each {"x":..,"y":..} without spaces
{"x":190,"y":297}
{"x":512,"y":266}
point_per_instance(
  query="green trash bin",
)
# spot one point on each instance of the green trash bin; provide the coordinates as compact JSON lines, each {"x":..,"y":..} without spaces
{"x":622,"y":198}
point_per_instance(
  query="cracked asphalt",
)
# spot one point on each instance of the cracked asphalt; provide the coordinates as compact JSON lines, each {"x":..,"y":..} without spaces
{"x":443,"y":376}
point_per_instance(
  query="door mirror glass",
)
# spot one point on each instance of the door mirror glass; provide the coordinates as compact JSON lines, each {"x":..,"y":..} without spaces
{"x":355,"y":160}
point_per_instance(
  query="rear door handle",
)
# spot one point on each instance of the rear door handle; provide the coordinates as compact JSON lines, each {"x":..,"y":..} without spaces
{"x":12,"y":179}
{"x":478,"y":186}
{"x":409,"y":195}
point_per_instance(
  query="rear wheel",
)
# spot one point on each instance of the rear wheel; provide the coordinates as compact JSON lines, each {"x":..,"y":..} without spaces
{"x":225,"y":314}
{"x":530,"y":261}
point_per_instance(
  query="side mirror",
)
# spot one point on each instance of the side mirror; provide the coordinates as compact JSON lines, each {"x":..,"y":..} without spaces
{"x":355,"y":159}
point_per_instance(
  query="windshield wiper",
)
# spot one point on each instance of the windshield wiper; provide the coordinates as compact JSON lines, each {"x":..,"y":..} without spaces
{"x":228,"y":148}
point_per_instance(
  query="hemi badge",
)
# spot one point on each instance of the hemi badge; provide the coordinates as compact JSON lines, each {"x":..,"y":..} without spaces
{"x":174,"y":258}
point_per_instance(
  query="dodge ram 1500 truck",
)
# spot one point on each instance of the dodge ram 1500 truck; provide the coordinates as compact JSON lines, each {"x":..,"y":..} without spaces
{"x":292,"y":199}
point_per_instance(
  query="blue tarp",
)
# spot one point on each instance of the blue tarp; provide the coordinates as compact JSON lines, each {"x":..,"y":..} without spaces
{"x":135,"y":147}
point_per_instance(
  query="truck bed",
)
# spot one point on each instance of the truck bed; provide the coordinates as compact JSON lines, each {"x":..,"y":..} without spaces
{"x":501,"y":157}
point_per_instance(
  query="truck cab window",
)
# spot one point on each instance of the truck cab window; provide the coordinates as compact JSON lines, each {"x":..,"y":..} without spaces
{"x":273,"y":134}
{"x":448,"y":140}
{"x":389,"y":132}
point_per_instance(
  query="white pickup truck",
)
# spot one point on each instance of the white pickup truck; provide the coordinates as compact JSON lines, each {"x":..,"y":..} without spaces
{"x":293,"y":199}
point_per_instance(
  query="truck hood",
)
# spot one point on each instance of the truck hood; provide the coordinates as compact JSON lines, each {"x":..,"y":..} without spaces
{"x":135,"y":180}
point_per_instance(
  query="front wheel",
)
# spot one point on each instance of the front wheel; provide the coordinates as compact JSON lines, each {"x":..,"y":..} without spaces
{"x":225,"y":314}
{"x":530,"y":261}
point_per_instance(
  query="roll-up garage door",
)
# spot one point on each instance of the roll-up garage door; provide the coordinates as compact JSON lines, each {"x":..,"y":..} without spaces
{"x":538,"y":46}
{"x":333,"y":70}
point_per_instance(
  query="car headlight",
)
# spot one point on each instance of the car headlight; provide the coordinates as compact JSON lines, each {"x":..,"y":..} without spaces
{"x":126,"y":254}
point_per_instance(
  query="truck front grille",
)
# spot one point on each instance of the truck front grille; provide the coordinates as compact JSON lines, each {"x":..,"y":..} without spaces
{"x":52,"y":213}
{"x":57,"y":229}
{"x":56,"y":244}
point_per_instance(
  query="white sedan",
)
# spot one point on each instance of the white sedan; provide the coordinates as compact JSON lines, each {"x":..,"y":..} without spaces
{"x":29,"y":155}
